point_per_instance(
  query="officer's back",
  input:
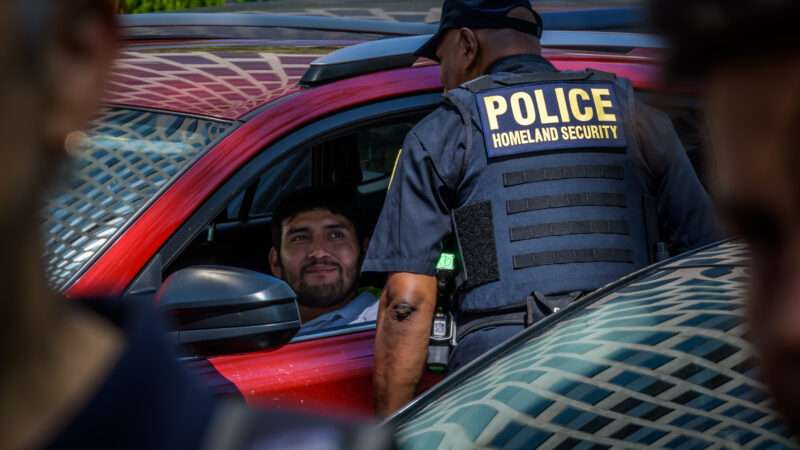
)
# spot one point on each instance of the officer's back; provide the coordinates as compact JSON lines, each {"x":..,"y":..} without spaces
{"x":553,"y":184}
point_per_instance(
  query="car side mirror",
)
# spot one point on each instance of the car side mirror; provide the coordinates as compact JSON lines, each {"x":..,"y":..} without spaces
{"x":218,"y":309}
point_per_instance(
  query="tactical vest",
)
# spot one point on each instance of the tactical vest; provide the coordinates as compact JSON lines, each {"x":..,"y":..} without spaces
{"x":559,"y":207}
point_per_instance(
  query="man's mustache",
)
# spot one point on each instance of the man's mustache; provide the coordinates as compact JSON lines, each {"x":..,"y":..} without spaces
{"x":320,"y":262}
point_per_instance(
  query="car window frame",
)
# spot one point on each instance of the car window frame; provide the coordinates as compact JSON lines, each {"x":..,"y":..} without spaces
{"x":149,"y":279}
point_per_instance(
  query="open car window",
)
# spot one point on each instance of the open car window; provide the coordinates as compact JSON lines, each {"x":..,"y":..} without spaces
{"x":360,"y":155}
{"x":658,"y":361}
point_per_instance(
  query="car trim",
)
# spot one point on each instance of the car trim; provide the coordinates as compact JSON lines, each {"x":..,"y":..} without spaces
{"x":341,"y":331}
{"x":542,"y":327}
{"x":117,"y":105}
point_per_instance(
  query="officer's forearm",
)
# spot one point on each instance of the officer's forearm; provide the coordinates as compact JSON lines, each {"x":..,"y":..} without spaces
{"x":404,"y":324}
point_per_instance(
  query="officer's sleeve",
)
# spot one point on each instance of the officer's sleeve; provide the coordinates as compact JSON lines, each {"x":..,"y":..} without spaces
{"x":415,"y":217}
{"x":685,"y":213}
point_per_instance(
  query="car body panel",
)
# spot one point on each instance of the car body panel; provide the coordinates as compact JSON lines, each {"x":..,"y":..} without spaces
{"x":660,"y":360}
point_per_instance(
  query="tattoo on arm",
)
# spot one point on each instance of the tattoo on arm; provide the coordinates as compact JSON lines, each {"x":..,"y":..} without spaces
{"x":402,"y":311}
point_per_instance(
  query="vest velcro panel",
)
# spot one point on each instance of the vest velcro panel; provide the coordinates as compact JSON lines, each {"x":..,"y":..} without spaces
{"x":565,"y":201}
{"x":563,"y":173}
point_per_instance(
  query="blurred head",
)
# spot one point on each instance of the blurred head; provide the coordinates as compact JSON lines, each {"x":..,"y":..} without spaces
{"x":751,"y":82}
{"x":473,"y":34}
{"x":56,"y":56}
{"x":317,"y":247}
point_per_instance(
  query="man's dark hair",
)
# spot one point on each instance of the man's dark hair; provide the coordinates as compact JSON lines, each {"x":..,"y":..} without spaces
{"x":340,"y":201}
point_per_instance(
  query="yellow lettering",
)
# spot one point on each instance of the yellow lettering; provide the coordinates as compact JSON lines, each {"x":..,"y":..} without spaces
{"x":505,"y":139}
{"x":527,"y":117}
{"x":539,"y":137}
{"x":595,"y":132}
{"x":496,"y":140}
{"x":562,"y":105}
{"x":527,"y":134}
{"x":514,"y":137}
{"x":541,"y":105}
{"x":614,"y":130}
{"x":602,"y":104}
{"x":583,"y":114}
{"x":496,"y":106}
{"x":564,"y":133}
{"x":572,"y":135}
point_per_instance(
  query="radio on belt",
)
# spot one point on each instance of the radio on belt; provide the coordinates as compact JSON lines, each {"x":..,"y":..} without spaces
{"x":443,"y":328}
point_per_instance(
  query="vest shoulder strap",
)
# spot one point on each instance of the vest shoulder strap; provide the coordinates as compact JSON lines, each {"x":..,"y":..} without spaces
{"x":486,"y":82}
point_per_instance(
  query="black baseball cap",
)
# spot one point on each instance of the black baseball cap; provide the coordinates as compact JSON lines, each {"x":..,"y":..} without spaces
{"x":478,"y":14}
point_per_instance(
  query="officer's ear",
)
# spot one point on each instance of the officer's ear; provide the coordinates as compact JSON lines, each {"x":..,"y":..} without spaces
{"x":275,"y":263}
{"x":468,"y":47}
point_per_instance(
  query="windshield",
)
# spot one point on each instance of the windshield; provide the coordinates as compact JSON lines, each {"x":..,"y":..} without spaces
{"x":660,"y":362}
{"x":130,"y":156}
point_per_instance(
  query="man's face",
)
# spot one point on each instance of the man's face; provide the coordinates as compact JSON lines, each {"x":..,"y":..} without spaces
{"x":319,"y":257}
{"x":754,"y":120}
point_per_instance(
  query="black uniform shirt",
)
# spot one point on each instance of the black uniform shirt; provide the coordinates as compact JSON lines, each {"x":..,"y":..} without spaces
{"x":435,"y":174}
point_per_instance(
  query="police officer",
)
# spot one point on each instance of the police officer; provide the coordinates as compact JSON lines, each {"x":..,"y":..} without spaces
{"x":747,"y":55}
{"x":553,"y":183}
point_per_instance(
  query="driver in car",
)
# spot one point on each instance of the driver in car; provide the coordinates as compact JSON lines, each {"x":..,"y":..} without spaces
{"x":317,"y":249}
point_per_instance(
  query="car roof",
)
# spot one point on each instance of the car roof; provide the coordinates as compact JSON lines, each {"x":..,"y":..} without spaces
{"x":186,"y":63}
{"x":217,"y":79}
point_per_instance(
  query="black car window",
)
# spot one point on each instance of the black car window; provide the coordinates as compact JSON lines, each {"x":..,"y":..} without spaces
{"x":378,"y":148}
{"x":128,"y":158}
{"x":659,"y":361}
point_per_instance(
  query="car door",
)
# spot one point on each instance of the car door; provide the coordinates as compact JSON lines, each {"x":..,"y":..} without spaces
{"x":326,"y":370}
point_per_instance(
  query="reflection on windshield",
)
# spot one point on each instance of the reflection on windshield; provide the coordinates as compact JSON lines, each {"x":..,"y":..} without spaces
{"x":129,"y":157}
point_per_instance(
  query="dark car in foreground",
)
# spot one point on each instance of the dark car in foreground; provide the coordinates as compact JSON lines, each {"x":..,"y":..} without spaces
{"x":657,"y":360}
{"x":210,"y":119}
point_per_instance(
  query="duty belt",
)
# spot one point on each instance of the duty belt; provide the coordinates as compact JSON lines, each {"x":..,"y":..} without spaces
{"x":535,"y":308}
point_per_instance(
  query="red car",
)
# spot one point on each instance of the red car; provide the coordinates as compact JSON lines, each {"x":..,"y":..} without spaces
{"x":205,"y":129}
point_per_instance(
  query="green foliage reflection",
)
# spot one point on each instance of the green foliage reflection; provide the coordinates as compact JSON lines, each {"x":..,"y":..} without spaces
{"x":144,"y":6}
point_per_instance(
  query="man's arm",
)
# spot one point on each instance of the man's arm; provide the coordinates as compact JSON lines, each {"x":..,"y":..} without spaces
{"x":401,"y":345}
{"x":685,"y":211}
{"x":406,"y":244}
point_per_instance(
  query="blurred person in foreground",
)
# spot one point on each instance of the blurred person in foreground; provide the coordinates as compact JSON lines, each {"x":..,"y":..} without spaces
{"x":92,"y":374}
{"x":746,"y":54}
{"x":554,"y":184}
